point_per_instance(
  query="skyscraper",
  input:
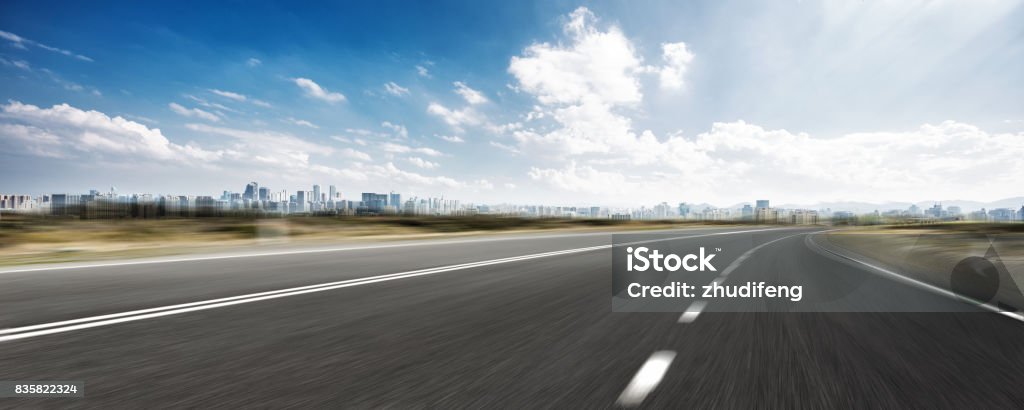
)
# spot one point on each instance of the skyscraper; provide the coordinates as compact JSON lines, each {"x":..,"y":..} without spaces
{"x":334,"y":193}
{"x":762,"y":203}
{"x":58,"y":203}
{"x":316,"y":194}
{"x":374,"y":203}
{"x":395,"y":200}
{"x":264,"y":193}
{"x":684,"y":209}
{"x":251,"y":191}
{"x":300,"y":201}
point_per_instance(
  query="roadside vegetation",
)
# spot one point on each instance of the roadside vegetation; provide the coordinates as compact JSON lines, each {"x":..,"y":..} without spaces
{"x":37,"y":239}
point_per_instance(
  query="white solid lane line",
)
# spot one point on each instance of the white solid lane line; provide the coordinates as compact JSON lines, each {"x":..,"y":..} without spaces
{"x":646,"y":379}
{"x":282,"y":253}
{"x":914,"y":282}
{"x":289,"y":290}
{"x":693,"y":311}
{"x":109,"y":319}
{"x":95,"y":321}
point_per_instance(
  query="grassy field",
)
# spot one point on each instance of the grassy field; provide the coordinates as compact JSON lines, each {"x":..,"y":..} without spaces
{"x":28,"y":239}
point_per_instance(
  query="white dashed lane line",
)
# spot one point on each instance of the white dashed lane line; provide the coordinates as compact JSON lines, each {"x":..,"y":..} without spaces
{"x":647,"y":379}
{"x":698,"y":306}
{"x":692,"y":312}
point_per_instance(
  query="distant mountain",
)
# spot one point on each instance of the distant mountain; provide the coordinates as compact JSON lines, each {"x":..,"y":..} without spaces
{"x":859,"y":207}
{"x":699,"y":207}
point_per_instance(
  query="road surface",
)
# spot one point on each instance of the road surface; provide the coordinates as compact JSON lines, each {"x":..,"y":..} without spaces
{"x":472,"y":323}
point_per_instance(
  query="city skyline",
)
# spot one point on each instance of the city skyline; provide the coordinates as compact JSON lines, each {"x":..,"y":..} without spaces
{"x":554,"y":103}
{"x":315,"y":199}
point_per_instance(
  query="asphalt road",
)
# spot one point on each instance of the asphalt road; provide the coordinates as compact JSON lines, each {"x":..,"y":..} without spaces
{"x":523,"y":333}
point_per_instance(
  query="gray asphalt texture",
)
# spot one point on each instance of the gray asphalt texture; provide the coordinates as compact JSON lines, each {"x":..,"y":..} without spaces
{"x":538,"y":333}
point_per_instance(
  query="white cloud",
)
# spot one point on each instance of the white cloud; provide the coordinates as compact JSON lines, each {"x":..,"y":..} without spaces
{"x":596,"y":65}
{"x":193,"y":112}
{"x":286,"y":144}
{"x":253,"y":62}
{"x":69,"y":85}
{"x":303,"y":123}
{"x":357,"y":141}
{"x":313,"y":90}
{"x":354,"y":154}
{"x":583,"y":179}
{"x":452,"y":138}
{"x":457,"y":119}
{"x":422,"y":163}
{"x":16,"y":40}
{"x":22,"y":64}
{"x":229,"y":94}
{"x":470,"y":95}
{"x":65,"y":131}
{"x":240,"y":98}
{"x":677,"y":58}
{"x":403,"y":149}
{"x":395,"y":89}
{"x":947,"y":160}
{"x":22,"y":43}
{"x":422,"y":71}
{"x":209,"y":104}
{"x":398,"y":129}
{"x":483,"y":184}
{"x":364,"y":132}
{"x":505,"y":147}
{"x":941,"y":161}
{"x":282,"y":154}
{"x":581,"y":86}
{"x":32,"y":140}
{"x":584,"y":86}
{"x":392,"y":172}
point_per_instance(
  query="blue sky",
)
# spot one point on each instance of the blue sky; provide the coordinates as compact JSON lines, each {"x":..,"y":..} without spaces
{"x":551,"y":102}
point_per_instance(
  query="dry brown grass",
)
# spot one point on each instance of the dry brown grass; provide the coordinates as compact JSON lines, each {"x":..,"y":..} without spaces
{"x":26,"y":240}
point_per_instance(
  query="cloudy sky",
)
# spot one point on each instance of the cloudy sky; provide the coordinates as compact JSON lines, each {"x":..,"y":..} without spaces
{"x":555,"y":102}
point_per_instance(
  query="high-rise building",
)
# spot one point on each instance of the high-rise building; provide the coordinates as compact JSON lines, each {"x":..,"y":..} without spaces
{"x":1002,"y":215}
{"x":374,"y":203}
{"x":684,"y":209}
{"x":661,"y":211}
{"x":914,"y":210}
{"x":762,"y":203}
{"x":58,"y":204}
{"x":334,"y":193}
{"x":251,"y":191}
{"x":316,"y":193}
{"x":264,"y":193}
{"x":395,"y":200}
{"x":300,"y":201}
